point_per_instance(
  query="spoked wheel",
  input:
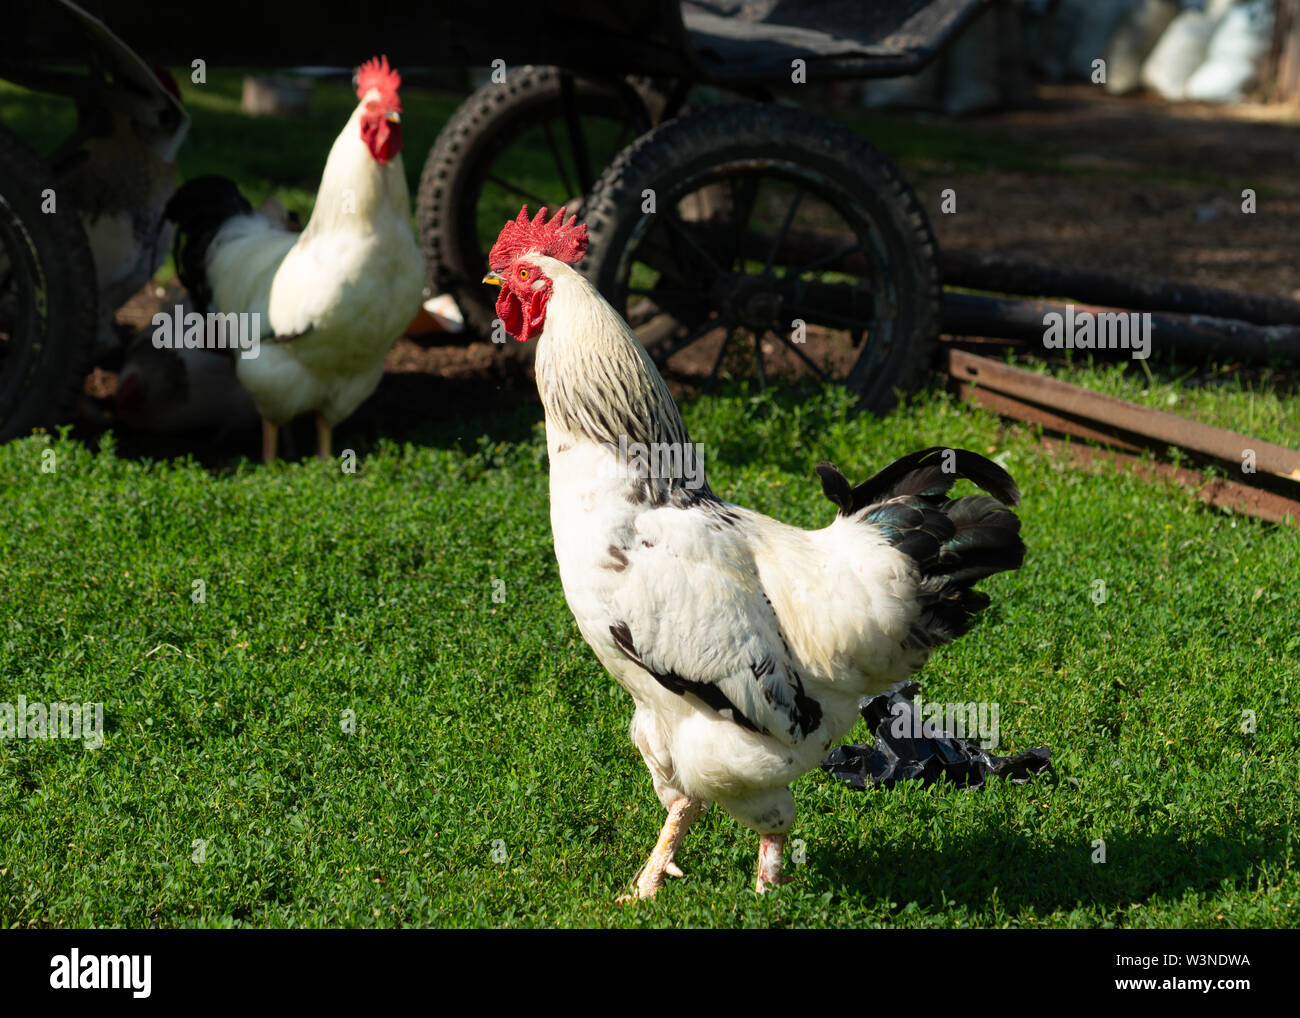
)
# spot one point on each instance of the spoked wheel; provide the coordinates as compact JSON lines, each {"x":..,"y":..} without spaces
{"x":47,"y":296}
{"x":540,"y":137}
{"x":765,"y":240}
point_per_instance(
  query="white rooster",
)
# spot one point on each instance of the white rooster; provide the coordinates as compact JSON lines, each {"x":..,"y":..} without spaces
{"x":336,"y":296}
{"x":745,"y":643}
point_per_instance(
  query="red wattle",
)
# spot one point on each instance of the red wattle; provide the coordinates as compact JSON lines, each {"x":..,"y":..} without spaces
{"x":384,"y":140}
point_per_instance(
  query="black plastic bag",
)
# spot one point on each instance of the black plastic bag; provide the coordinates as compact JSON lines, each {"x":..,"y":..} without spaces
{"x":907,"y":757}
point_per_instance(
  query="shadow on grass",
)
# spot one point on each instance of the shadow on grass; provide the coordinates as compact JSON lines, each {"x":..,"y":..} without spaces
{"x":414,"y":407}
{"x":1026,"y":874}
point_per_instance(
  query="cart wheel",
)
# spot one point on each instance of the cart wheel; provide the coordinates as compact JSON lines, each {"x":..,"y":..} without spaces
{"x":519,"y":141}
{"x":766,"y":228}
{"x":47,"y":296}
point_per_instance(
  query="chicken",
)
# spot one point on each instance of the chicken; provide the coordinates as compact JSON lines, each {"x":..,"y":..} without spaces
{"x":176,"y":390}
{"x":744,"y":643}
{"x":334,"y":297}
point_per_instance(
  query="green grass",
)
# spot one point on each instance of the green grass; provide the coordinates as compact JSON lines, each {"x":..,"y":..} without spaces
{"x":483,"y":722}
{"x":480,"y":721}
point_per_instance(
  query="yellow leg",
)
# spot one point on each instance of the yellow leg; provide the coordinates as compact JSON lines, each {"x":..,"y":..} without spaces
{"x":324,"y":438}
{"x":681,"y":814}
{"x":270,"y":435}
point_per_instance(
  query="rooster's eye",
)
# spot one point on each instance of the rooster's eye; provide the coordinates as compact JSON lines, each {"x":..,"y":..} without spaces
{"x":523,"y":274}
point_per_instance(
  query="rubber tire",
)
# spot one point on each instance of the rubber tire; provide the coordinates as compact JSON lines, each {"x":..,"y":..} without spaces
{"x":447,"y":220}
{"x":45,"y":367}
{"x":692,"y":143}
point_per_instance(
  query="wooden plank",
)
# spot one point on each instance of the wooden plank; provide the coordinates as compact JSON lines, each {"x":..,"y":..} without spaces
{"x":1219,"y":443}
{"x":1008,"y":406}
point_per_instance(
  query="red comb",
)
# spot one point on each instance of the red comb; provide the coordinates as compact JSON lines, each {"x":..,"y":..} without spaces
{"x":375,"y":73}
{"x":556,"y":239}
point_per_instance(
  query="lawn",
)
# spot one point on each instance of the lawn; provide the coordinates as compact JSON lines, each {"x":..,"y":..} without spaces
{"x":379,"y":711}
{"x":489,"y":779}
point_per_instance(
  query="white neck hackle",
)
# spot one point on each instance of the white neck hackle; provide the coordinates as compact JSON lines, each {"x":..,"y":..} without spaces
{"x":355,"y":186}
{"x":595,"y":379}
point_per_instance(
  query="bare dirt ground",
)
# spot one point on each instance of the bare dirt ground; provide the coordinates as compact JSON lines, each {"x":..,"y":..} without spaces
{"x":1143,"y":186}
{"x":1131,"y":185}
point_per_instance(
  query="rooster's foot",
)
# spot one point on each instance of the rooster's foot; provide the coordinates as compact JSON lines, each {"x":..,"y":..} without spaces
{"x":648,"y":888}
{"x":681,"y":814}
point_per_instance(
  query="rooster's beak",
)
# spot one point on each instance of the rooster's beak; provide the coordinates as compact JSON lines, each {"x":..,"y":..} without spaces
{"x":492,"y":278}
{"x":394,"y":117}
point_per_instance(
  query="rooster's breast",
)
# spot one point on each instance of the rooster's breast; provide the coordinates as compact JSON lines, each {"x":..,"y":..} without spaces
{"x":339,"y":303}
{"x":350,"y":296}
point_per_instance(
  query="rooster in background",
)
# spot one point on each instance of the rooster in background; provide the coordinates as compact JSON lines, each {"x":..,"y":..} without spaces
{"x":336,"y":296}
{"x":745,"y":643}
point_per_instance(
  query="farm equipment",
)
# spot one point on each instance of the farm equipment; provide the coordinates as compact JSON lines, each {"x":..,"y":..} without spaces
{"x":727,"y":227}
{"x":717,"y":227}
{"x":764,"y":215}
{"x":80,"y":229}
{"x":753,"y":224}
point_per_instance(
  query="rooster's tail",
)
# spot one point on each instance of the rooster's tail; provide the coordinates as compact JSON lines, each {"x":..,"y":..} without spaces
{"x":955,"y":542}
{"x":199,"y":209}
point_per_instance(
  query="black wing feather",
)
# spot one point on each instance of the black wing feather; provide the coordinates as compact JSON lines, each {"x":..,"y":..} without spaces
{"x":710,"y":694}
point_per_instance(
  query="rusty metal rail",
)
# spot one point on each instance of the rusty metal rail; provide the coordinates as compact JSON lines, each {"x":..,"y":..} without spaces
{"x":1272,"y":492}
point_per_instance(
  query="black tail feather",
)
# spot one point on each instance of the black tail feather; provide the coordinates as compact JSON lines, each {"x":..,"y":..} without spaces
{"x":954,"y":542}
{"x":928,"y":473}
{"x":199,"y":209}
